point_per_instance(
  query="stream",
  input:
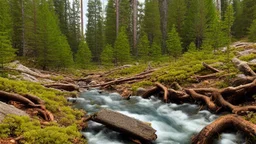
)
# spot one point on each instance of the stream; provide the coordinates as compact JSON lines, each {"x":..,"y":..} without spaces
{"x":175,"y":124}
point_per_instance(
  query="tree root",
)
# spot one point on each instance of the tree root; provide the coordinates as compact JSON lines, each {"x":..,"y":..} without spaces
{"x":30,"y":101}
{"x":221,"y":124}
{"x":243,"y":67}
{"x":166,"y":92}
{"x":150,"y":92}
{"x":210,"y":68}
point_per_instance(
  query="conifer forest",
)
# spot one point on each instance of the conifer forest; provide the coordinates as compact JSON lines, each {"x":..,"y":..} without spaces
{"x":127,"y":71}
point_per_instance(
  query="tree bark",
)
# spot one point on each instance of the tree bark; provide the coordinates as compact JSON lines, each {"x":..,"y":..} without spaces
{"x":210,"y":67}
{"x":221,"y":124}
{"x":166,"y":92}
{"x":243,"y":67}
{"x":67,"y":87}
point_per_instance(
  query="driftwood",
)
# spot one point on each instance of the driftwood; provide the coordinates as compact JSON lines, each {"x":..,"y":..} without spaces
{"x":66,"y":87}
{"x":221,"y":124}
{"x":127,"y":125}
{"x":243,"y":67}
{"x":29,"y":101}
{"x":214,"y":75}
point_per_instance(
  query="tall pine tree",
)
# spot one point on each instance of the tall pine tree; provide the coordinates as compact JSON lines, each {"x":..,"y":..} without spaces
{"x":174,"y":44}
{"x":83,"y":55}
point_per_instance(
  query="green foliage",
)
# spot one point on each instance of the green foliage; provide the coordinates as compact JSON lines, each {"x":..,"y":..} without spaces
{"x":151,"y":23}
{"x":252,"y":31}
{"x":155,"y":52}
{"x":94,"y":35}
{"x":107,"y":55}
{"x":129,"y":71}
{"x":143,"y":84}
{"x":54,"y":100}
{"x":110,"y":27}
{"x":174,"y":44}
{"x":143,"y":48}
{"x":83,"y":55}
{"x":248,"y":57}
{"x":122,"y":48}
{"x":192,"y":47}
{"x":6,"y":50}
{"x":14,"y":126}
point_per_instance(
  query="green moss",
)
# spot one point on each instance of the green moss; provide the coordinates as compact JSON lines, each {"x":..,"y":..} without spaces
{"x":55,"y":102}
{"x":248,"y":57}
{"x":141,"y":84}
{"x":129,"y":71}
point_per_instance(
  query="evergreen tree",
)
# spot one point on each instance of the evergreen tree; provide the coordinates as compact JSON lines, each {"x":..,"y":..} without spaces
{"x":192,"y":47}
{"x":174,"y":43}
{"x":83,"y":55}
{"x":249,"y":14}
{"x":110,"y":28}
{"x":237,"y":28}
{"x":228,"y":23}
{"x":107,"y":55}
{"x":155,"y":51}
{"x":252,"y":32}
{"x":94,"y":35}
{"x":176,"y":15}
{"x":52,"y":47}
{"x":65,"y":54}
{"x":143,"y":48}
{"x":151,"y":23}
{"x":6,"y":50}
{"x":74,"y":31}
{"x":122,"y":48}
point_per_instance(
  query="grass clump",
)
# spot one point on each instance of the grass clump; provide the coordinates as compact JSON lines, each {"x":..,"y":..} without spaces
{"x":248,"y":57}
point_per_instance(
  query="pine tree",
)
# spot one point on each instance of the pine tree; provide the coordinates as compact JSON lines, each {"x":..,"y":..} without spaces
{"x":52,"y":45}
{"x":176,"y":15}
{"x":151,"y":23}
{"x":110,"y":24}
{"x":122,"y":48}
{"x":6,"y":50}
{"x":155,"y":51}
{"x":143,"y":48}
{"x":237,"y":28}
{"x":94,"y":35}
{"x":252,"y":31}
{"x":174,"y":43}
{"x":74,"y":33}
{"x":192,"y":47}
{"x":249,"y":14}
{"x":83,"y":55}
{"x":65,"y":54}
{"x":107,"y":55}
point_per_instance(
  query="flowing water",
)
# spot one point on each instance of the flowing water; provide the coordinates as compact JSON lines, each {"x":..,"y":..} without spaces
{"x":175,"y":124}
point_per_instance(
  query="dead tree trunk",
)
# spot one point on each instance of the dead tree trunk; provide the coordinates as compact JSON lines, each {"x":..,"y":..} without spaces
{"x":127,"y":125}
{"x":67,"y":87}
{"x":221,"y":124}
{"x":166,"y":92}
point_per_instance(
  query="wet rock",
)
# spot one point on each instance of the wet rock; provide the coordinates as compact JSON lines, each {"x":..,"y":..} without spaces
{"x":6,"y":109}
{"x":140,"y":91}
{"x":246,"y":52}
{"x":253,"y":61}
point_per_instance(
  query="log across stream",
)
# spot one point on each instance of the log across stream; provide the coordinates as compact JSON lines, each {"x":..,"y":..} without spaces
{"x":175,"y":124}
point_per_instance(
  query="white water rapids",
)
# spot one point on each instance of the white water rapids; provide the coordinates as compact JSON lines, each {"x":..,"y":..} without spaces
{"x":175,"y":124}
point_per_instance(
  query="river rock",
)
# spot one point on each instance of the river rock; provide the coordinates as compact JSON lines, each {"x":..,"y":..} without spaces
{"x":6,"y":109}
{"x":140,"y":91}
{"x":253,"y":61}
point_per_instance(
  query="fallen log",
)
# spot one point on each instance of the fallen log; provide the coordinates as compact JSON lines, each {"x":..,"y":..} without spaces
{"x":243,"y":67}
{"x":210,"y":68}
{"x":223,"y":123}
{"x":66,"y":87}
{"x":166,"y":92}
{"x":124,"y":124}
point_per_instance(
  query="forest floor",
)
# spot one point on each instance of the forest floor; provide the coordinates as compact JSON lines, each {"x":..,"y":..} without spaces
{"x":201,"y":76}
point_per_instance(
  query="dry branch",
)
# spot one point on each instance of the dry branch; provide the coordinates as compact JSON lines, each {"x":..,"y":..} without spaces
{"x":221,"y":124}
{"x":210,"y":67}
